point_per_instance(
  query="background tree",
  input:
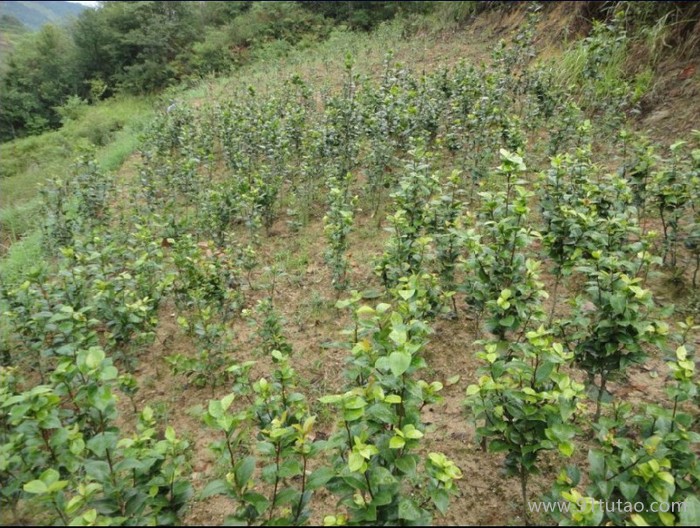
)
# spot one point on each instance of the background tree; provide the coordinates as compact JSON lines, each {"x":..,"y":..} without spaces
{"x":40,"y":75}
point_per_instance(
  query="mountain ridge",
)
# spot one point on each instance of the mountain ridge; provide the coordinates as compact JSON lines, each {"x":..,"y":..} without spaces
{"x":37,"y":13}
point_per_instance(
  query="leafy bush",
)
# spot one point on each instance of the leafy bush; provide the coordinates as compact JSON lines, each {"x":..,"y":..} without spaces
{"x":269,"y":21}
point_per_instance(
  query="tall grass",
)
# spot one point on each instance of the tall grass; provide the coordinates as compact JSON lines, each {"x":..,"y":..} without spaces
{"x":454,"y":13}
{"x":21,"y":257}
{"x":16,"y":220}
{"x":640,"y":35}
{"x":113,"y":155}
{"x":573,"y":64}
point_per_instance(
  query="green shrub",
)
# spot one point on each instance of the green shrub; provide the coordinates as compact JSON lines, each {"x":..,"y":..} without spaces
{"x":267,"y":21}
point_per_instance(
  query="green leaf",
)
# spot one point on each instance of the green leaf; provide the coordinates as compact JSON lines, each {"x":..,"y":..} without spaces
{"x":667,"y":519}
{"x":350,"y":415}
{"x":596,"y":461}
{"x":628,"y":489}
{"x":690,"y":513}
{"x":566,"y":448}
{"x":399,"y":362}
{"x":355,"y":461}
{"x":290,"y":468}
{"x":101,"y":442}
{"x":399,"y":336}
{"x":226,"y":401}
{"x":396,"y":442}
{"x":543,"y":371}
{"x":498,"y":446}
{"x":287,"y":496}
{"x":57,"y":486}
{"x":382,"y":498}
{"x":319,"y":478}
{"x":355,"y":402}
{"x":244,"y":470}
{"x":50,"y":476}
{"x":74,"y":505}
{"x":406,"y":294}
{"x":408,"y":510}
{"x":666,"y":477}
{"x":605,"y":487}
{"x":365,"y":310}
{"x":36,"y":487}
{"x":98,"y":470}
{"x":215,"y":409}
{"x":383,"y":308}
{"x":170,"y":434}
{"x":412,"y":433}
{"x":507,"y":322}
{"x":452,"y":380}
{"x":371,"y":294}
{"x":618,"y":303}
{"x":109,"y":373}
{"x":406,"y":464}
{"x":135,"y":504}
{"x":233,"y":520}
{"x":258,"y":501}
{"x":441,"y":499}
{"x":637,"y":520}
{"x":380,"y":412}
{"x":95,"y":356}
{"x":343,"y":303}
{"x":215,"y":487}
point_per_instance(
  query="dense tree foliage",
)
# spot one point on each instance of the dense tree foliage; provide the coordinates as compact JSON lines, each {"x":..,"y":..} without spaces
{"x":134,"y":45}
{"x":41,"y":73}
{"x":142,"y":47}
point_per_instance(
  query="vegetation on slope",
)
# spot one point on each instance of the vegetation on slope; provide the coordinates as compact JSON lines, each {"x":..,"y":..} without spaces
{"x":11,"y":29}
{"x":484,"y":248}
{"x":142,"y":47}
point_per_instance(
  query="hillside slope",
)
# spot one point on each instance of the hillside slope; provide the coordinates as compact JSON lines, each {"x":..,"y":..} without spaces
{"x":315,"y":276}
{"x":11,"y":30}
{"x":36,"y":14}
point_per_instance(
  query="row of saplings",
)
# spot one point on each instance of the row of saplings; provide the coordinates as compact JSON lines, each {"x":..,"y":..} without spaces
{"x":525,"y":401}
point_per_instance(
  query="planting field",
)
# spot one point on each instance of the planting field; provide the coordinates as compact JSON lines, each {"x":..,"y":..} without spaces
{"x":412,"y":278}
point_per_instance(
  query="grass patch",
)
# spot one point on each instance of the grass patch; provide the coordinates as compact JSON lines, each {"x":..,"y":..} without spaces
{"x":112,"y":127}
{"x":21,"y":257}
{"x":322,"y":65}
{"x":19,"y":219}
{"x":113,"y":155}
